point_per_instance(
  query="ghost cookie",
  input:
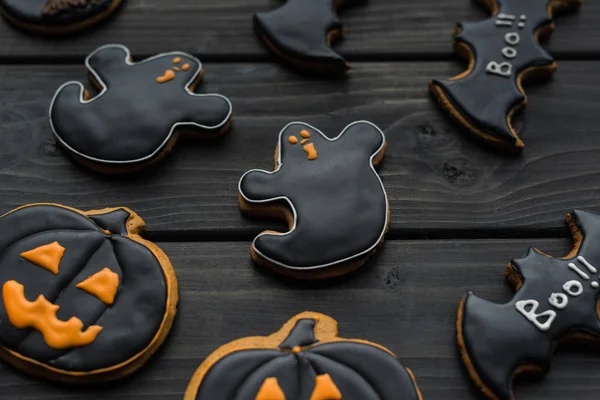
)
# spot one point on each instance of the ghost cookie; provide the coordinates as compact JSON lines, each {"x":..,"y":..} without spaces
{"x":84,"y":298}
{"x":556,"y":301}
{"x":330,"y":195}
{"x":305,"y":360}
{"x":141,"y":110}
{"x":502,"y":52}
{"x":301,"y":32}
{"x":56,"y":16}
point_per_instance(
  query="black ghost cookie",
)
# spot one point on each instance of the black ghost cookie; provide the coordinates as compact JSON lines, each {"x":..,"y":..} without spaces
{"x":140,"y":112}
{"x":84,"y":298}
{"x":556,"y":301}
{"x":330,"y":195}
{"x":301,"y":32}
{"x":56,"y":16}
{"x":502,"y":52}
{"x":305,"y":360}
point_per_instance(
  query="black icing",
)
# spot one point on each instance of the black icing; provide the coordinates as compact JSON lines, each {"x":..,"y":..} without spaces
{"x":340,"y":202}
{"x":302,"y":335}
{"x":499,"y":338}
{"x":135,"y":117}
{"x":115,"y":222}
{"x":129,"y":324}
{"x":298,"y":30}
{"x":485,"y":99}
{"x":32,"y":12}
{"x":360,"y":371}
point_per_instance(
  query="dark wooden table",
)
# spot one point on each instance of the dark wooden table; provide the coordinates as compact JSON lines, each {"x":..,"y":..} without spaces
{"x":459,"y":212}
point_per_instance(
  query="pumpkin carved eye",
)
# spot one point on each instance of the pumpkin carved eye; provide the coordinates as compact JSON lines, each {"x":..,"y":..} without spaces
{"x":325,"y":389}
{"x":47,"y":256}
{"x":103,"y":285}
{"x":270,"y":390}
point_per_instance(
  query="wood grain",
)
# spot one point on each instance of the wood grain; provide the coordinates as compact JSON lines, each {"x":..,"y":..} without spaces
{"x":406,"y":301}
{"x":440,"y":182}
{"x":222,"y":30}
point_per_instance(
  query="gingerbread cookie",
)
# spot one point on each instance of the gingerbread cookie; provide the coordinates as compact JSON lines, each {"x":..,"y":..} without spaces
{"x":502,"y":52}
{"x":141,"y":110}
{"x":84,"y":297}
{"x":56,"y":16}
{"x":305,"y":360}
{"x":330,"y":195}
{"x":300,"y":33}
{"x":556,"y":301}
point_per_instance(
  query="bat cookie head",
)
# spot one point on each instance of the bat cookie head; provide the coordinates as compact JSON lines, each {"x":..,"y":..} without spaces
{"x":330,"y":194}
{"x":305,"y":360}
{"x":556,"y":300}
{"x":141,"y":109}
{"x":83,"y":298}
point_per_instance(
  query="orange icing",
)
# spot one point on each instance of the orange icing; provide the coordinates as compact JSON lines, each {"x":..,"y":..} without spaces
{"x":270,"y":390}
{"x":304,"y":141}
{"x":176,"y":68}
{"x":296,"y":349}
{"x":47,"y":256}
{"x":310,"y":150}
{"x":176,"y":60}
{"x":293,"y":139}
{"x":185,"y":67}
{"x":325,"y":389}
{"x":41,"y":315}
{"x":168,"y":76}
{"x":305,"y":134}
{"x":103,"y":285}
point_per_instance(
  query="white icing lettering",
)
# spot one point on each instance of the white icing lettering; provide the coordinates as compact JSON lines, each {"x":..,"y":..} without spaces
{"x":504,"y":23}
{"x":509,"y":52}
{"x":507,"y":16}
{"x":501,"y":69}
{"x":589,"y":266}
{"x":567,"y":287}
{"x":534,"y":318}
{"x":512,"y":38}
{"x":558,"y":300}
{"x":521,"y":25}
{"x":579,"y":272}
{"x":595,"y":285}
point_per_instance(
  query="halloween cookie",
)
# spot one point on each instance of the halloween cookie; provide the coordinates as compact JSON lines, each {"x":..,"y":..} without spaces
{"x":330,"y":195}
{"x":56,"y":16}
{"x":502,"y":51}
{"x":300,"y":33}
{"x":305,"y":360}
{"x":556,"y":301}
{"x":141,"y":110}
{"x":84,"y":297}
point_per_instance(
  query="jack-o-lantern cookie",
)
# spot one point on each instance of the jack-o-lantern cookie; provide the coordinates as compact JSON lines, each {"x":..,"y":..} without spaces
{"x":330,"y":195}
{"x":502,"y":52}
{"x":301,"y":32}
{"x":557,"y":300}
{"x":57,"y":16}
{"x":141,"y":110}
{"x":84,"y":297}
{"x":305,"y":360}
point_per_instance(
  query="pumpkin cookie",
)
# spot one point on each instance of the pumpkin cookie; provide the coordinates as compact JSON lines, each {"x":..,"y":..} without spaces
{"x":141,"y":110}
{"x":84,"y":297}
{"x":56,"y":17}
{"x":305,"y":360}
{"x":502,"y":51}
{"x":330,"y":195}
{"x":557,"y":300}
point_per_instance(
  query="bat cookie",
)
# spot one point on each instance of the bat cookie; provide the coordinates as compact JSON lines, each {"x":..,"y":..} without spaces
{"x":84,"y":298}
{"x":305,"y":360}
{"x":141,"y":110}
{"x":56,"y":16}
{"x":330,"y":195}
{"x":502,"y":52}
{"x":301,"y":32}
{"x":556,"y":300}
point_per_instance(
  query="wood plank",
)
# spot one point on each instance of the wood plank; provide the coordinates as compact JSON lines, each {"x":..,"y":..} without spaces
{"x":405,"y":301}
{"x":440,"y":183}
{"x":222,"y":29}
